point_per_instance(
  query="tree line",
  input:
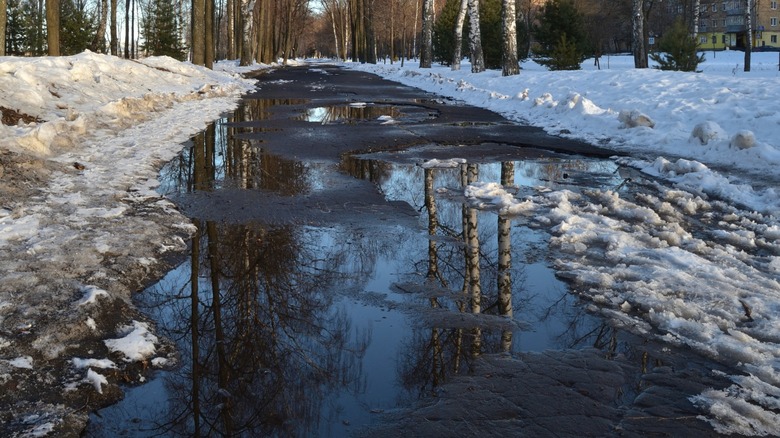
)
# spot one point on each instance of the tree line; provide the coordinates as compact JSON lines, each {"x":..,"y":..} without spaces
{"x":491,"y":33}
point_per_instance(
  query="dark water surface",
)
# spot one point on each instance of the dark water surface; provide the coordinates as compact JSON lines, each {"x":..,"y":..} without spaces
{"x":313,"y":327}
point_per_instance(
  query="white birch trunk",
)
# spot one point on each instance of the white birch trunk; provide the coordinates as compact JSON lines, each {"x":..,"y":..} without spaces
{"x":748,"y":33}
{"x":475,"y":38}
{"x":509,"y":65}
{"x":457,"y":53}
{"x":247,"y":36}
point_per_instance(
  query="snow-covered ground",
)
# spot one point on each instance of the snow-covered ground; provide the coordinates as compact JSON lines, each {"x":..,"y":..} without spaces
{"x":693,"y":259}
{"x":81,"y":226}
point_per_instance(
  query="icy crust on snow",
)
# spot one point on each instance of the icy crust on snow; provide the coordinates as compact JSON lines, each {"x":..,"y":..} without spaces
{"x":77,"y":95}
{"x":678,"y":265}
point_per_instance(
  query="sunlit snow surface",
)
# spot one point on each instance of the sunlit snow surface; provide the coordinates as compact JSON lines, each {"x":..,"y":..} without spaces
{"x":695,"y":260}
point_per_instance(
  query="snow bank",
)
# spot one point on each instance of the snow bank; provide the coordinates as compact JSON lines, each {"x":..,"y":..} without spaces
{"x":74,"y":96}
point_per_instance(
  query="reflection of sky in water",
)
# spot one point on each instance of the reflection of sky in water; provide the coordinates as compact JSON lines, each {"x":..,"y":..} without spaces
{"x":370,"y":262}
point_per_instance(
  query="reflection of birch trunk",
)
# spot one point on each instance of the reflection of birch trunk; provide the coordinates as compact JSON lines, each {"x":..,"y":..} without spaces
{"x":505,"y":259}
{"x":216,"y":306}
{"x":437,"y":364}
{"x":194,"y":328}
{"x":430,"y":205}
{"x":476,"y":345}
{"x":472,"y":247}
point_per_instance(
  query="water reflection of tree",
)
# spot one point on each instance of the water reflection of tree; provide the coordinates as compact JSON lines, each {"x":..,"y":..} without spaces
{"x":219,"y":156}
{"x":265,"y":344}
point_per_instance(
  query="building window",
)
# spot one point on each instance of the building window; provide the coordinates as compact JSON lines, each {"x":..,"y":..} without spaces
{"x":723,"y":39}
{"x":724,"y":6}
{"x":703,"y":40}
{"x":773,"y":39}
{"x":714,"y":23}
{"x":714,"y":40}
{"x":773,"y":5}
{"x":773,"y":21}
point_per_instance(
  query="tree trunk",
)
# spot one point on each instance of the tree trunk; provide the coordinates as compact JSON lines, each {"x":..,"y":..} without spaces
{"x":99,"y":39}
{"x":208,"y":42}
{"x":748,"y":33}
{"x":475,"y":38}
{"x":113,"y":40}
{"x":248,"y":21}
{"x":457,"y":53}
{"x":335,"y":35}
{"x":426,"y":45}
{"x":127,"y":29}
{"x":230,"y":23}
{"x":696,"y":12}
{"x":53,"y":26}
{"x":638,"y":35}
{"x":198,"y":32}
{"x":509,"y":65}
{"x":3,"y":21}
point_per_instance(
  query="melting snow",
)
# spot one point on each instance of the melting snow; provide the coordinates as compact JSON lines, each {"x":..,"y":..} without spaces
{"x":136,"y":344}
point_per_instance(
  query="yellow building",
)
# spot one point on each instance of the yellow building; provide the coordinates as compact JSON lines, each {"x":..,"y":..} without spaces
{"x":722,"y":25}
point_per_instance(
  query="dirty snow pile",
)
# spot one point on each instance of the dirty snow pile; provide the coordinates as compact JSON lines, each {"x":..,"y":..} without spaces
{"x":688,"y":248}
{"x":81,"y":226}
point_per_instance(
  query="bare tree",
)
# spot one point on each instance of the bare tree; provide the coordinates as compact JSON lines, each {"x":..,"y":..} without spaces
{"x":748,"y":33}
{"x":53,"y":26}
{"x":459,"y":21}
{"x":198,"y":32}
{"x":3,"y":20}
{"x":113,"y":38}
{"x":475,"y":38}
{"x":247,"y":31}
{"x":98,"y":42}
{"x":509,"y":65}
{"x":426,"y":45}
{"x":638,"y":35}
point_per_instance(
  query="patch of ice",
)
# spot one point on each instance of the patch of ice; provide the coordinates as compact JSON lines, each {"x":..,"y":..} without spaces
{"x":22,"y":362}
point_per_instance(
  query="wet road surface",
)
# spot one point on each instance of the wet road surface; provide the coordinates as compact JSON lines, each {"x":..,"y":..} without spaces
{"x":330,"y":287}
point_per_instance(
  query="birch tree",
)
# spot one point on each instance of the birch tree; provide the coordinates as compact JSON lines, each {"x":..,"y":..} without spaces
{"x":696,"y":12}
{"x":748,"y":32}
{"x":426,"y":45}
{"x":638,"y":35}
{"x":247,"y":30}
{"x":459,"y":22}
{"x":509,"y":65}
{"x":475,"y":38}
{"x":98,"y":42}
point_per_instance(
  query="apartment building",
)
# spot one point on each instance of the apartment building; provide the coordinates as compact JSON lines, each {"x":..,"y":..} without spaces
{"x":722,"y":25}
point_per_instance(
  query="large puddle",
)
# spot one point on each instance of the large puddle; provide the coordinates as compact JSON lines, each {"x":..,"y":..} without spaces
{"x":302,"y":330}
